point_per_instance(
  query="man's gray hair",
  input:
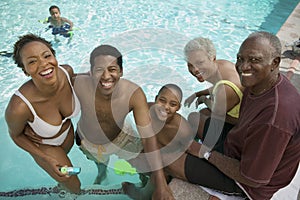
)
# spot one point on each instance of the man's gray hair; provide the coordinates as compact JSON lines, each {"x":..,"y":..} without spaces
{"x":273,"y":40}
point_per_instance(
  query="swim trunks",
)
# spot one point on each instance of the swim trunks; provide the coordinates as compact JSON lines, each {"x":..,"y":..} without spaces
{"x":62,"y":30}
{"x":215,"y":132}
{"x":126,"y":146}
{"x":199,"y":171}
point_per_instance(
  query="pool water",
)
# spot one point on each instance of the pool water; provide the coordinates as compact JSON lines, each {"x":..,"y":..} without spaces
{"x":151,"y":36}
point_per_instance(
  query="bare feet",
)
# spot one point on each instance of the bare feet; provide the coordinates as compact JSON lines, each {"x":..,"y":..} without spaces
{"x":138,"y":193}
{"x":211,"y":197}
{"x":100,"y":178}
{"x":102,"y":173}
{"x":132,"y":191}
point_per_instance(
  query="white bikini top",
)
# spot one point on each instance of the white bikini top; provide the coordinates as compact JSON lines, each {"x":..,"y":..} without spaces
{"x":41,"y":127}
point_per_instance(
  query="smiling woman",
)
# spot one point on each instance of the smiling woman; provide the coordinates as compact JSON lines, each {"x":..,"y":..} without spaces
{"x":43,"y":105}
{"x":224,"y":97}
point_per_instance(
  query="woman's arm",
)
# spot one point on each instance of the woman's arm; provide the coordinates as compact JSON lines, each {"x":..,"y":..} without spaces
{"x":224,"y":100}
{"x":16,"y":116}
{"x":192,"y":97}
{"x":203,"y":92}
{"x":72,"y":74}
{"x":186,"y":134}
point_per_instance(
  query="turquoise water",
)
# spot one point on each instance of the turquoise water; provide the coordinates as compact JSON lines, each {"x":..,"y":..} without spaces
{"x":151,"y":36}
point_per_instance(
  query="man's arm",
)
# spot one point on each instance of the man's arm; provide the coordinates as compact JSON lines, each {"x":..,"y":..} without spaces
{"x":230,"y":167}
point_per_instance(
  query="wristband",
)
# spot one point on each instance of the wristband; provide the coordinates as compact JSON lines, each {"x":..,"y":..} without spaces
{"x":207,"y":155}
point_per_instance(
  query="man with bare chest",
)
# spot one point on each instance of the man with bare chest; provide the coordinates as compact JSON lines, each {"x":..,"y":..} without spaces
{"x":106,"y":99}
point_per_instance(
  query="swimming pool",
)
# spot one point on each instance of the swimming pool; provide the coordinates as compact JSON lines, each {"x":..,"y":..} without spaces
{"x":151,"y":36}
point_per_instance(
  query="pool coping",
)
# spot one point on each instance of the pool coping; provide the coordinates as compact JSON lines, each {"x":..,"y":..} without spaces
{"x":288,"y":34}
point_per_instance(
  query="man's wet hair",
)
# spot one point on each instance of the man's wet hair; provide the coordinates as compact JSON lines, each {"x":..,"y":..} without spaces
{"x":106,"y":50}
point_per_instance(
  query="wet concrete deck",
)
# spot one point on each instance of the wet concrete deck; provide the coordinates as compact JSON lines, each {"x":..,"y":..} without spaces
{"x":288,"y":33}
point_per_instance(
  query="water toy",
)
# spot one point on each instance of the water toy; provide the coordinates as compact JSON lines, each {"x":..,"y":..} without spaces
{"x":122,"y":167}
{"x":70,"y":170}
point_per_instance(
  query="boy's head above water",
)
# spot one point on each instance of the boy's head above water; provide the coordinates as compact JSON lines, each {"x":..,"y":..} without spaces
{"x":54,"y":12}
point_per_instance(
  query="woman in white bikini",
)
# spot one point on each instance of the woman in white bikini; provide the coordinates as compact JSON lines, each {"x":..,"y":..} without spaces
{"x":46,"y":103}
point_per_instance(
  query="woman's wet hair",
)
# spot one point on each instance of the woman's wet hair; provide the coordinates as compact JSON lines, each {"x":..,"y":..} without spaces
{"x":23,"y":40}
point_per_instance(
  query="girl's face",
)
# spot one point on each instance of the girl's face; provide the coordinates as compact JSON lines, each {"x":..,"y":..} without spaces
{"x":167,"y":104}
{"x":39,"y":62}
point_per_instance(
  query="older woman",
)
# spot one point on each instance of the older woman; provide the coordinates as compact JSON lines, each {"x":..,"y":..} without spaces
{"x":224,"y":97}
{"x":46,"y":103}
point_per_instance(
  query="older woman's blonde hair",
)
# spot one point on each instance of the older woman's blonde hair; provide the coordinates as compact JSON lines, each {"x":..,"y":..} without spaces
{"x":200,"y":43}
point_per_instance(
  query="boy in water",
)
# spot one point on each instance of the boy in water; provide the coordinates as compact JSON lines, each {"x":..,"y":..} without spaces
{"x":60,"y":25}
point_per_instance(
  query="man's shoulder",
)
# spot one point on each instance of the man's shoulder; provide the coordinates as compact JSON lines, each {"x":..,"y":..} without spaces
{"x":126,"y":81}
{"x":128,"y":85}
{"x":83,"y":76}
{"x":82,"y":81}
